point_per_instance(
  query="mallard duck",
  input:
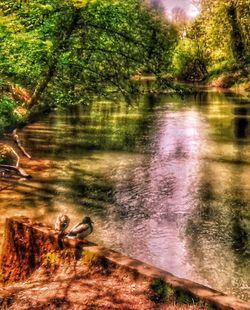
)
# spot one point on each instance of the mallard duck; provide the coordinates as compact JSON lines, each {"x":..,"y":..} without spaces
{"x":62,"y":222}
{"x":82,"y":229}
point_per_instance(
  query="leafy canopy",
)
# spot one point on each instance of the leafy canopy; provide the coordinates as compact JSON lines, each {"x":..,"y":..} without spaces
{"x":67,"y":50}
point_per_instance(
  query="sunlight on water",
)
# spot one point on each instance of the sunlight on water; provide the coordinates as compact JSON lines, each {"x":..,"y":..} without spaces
{"x":165,"y":181}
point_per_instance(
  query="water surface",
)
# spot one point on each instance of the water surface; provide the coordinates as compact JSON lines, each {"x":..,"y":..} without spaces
{"x":165,"y":181}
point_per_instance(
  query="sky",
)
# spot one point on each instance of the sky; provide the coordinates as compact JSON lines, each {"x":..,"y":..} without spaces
{"x":185,"y":4}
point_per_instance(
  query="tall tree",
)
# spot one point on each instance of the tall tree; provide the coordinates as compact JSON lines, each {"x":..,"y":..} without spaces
{"x":225,"y":29}
{"x":237,"y":40}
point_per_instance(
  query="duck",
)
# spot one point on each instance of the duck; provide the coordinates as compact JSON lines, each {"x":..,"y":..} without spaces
{"x":62,"y":222}
{"x":82,"y":229}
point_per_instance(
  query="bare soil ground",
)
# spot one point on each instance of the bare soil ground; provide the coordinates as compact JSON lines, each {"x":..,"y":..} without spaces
{"x":77,"y":286}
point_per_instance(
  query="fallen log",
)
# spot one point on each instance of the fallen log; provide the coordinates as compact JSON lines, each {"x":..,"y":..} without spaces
{"x":2,"y":188}
{"x":19,"y":171}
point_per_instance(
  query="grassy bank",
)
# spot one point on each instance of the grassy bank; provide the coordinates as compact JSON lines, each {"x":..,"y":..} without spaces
{"x":230,"y":77}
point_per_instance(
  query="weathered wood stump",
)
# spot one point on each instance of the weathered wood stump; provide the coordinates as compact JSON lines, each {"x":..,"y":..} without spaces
{"x":25,"y":243}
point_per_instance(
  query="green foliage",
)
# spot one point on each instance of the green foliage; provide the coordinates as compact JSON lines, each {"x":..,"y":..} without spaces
{"x":217,"y":40}
{"x":223,"y":29}
{"x":184,"y":298}
{"x":189,"y":62}
{"x":219,"y":68}
{"x":68,"y":50}
{"x":7,"y":113}
{"x":164,"y":292}
{"x":161,"y":290}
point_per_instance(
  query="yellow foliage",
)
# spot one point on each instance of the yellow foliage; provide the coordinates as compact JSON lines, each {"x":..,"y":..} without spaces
{"x":91,"y":259}
{"x":50,"y":258}
{"x":82,"y":3}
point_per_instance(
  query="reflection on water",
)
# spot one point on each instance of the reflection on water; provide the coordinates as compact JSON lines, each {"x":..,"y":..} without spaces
{"x":241,"y":130}
{"x":166,"y":181}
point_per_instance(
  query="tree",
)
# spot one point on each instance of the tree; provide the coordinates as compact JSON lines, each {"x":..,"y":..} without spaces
{"x":224,"y":28}
{"x":66,"y":51}
{"x":238,"y":46}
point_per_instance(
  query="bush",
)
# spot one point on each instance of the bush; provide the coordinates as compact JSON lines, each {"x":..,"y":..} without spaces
{"x":185,"y":298}
{"x":8,"y":117}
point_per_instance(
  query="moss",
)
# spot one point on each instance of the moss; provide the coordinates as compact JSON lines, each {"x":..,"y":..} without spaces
{"x":93,"y":259}
{"x":161,"y":291}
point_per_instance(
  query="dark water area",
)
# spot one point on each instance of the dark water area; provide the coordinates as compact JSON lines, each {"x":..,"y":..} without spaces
{"x":166,"y":181}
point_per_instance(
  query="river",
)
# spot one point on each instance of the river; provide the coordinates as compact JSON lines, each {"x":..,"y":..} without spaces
{"x":165,"y":181}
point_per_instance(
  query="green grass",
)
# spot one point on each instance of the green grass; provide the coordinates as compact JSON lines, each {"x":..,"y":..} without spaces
{"x":161,"y":291}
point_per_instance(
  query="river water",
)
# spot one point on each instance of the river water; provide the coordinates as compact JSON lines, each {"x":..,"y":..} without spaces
{"x":165,"y":181}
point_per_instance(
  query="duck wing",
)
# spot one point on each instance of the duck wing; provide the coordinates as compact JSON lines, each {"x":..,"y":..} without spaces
{"x":78,"y":229}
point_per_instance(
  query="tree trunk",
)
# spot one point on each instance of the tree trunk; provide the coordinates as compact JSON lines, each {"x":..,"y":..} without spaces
{"x":42,"y":86}
{"x":237,"y":43}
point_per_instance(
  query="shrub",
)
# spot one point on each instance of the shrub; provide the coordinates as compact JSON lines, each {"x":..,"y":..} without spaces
{"x":161,"y":291}
{"x":8,"y":117}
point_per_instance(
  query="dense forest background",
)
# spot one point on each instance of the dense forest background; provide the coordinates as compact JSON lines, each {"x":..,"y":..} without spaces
{"x":55,"y":52}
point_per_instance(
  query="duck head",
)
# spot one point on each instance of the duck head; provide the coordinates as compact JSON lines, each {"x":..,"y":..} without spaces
{"x":87,"y":220}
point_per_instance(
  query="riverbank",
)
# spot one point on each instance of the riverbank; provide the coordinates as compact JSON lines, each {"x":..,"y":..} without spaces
{"x":86,"y":288}
{"x":235,"y":79}
{"x":38,"y":273}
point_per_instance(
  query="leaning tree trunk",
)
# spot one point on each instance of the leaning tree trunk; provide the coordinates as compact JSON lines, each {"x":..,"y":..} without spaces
{"x":42,"y":85}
